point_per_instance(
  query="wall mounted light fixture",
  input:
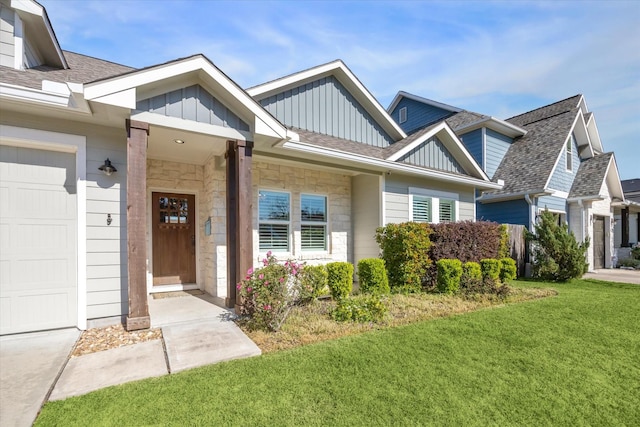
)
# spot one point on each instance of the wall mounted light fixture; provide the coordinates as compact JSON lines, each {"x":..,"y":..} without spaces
{"x":108,"y":168}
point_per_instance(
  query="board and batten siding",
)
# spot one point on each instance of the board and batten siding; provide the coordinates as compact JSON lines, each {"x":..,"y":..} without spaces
{"x":193,"y":103}
{"x":433,"y":154}
{"x":106,"y":244}
{"x":7,"y":41}
{"x":419,"y":114}
{"x":473,"y":143}
{"x":507,"y":212}
{"x":561,"y":179}
{"x":497,"y":146}
{"x":396,"y":197}
{"x":326,"y":106}
{"x":365,"y":201}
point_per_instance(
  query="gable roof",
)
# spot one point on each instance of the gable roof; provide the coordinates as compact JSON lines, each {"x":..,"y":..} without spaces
{"x":402,"y":94}
{"x":546,"y":112}
{"x":346,"y":77}
{"x":395,"y":151}
{"x":121,"y":90}
{"x":39,"y":32}
{"x":530,"y":160}
{"x":590,"y":176}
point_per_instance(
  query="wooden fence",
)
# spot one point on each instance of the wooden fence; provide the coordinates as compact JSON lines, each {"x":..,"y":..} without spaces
{"x":517,"y":246}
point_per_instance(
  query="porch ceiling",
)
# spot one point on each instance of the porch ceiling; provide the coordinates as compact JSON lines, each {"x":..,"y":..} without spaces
{"x":197,"y":147}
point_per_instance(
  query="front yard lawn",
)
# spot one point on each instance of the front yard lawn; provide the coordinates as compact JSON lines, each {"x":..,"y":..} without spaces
{"x":572,"y":359}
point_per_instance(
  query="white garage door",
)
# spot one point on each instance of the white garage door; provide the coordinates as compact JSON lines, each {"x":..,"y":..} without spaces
{"x":38,"y":286}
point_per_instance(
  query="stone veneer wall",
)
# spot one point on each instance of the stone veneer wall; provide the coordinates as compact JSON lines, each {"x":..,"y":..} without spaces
{"x":297,"y":181}
{"x":163,"y":175}
{"x":209,"y":182}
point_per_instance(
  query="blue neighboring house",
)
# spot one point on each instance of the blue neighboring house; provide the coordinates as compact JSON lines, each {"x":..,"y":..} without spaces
{"x":548,"y":158}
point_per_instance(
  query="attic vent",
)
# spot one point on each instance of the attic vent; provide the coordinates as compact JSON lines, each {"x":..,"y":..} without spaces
{"x":403,"y":115}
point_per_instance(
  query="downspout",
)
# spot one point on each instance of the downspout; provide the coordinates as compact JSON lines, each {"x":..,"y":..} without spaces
{"x":581,"y":219}
{"x":532,"y":216}
{"x":528,"y":260}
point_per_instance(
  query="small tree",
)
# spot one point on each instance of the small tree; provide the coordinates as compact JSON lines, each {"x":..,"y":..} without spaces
{"x":557,"y":256}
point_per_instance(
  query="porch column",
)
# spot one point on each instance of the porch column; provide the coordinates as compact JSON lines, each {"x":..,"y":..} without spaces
{"x":137,"y":133}
{"x":239,"y":216}
{"x":625,"y":228}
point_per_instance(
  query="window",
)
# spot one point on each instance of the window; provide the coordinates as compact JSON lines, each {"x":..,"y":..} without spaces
{"x":432,"y":206}
{"x":421,"y":209}
{"x":447,"y":211}
{"x":313,"y":222}
{"x":570,"y":153}
{"x":403,"y":115}
{"x":273,"y":220}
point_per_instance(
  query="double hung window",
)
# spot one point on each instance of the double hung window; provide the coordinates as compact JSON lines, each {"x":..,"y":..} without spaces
{"x":274,"y":219}
{"x":313,"y":222}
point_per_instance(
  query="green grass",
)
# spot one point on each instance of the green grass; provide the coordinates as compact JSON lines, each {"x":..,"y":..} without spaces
{"x":573,"y":359}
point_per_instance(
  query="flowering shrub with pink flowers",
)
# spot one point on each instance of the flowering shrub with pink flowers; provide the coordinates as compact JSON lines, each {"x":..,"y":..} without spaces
{"x":269,"y":292}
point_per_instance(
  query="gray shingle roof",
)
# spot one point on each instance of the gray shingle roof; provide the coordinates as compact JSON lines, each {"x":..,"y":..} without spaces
{"x":531,"y":158}
{"x":334,"y":143}
{"x":546,"y":112}
{"x":590,"y":176}
{"x":82,"y":69}
{"x":464,"y":118}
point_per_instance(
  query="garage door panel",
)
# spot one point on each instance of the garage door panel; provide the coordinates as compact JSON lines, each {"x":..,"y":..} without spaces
{"x":38,"y":282}
{"x":44,"y":203}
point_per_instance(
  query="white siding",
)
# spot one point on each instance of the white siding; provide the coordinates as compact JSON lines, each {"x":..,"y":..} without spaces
{"x":396,"y":197}
{"x":7,"y":42}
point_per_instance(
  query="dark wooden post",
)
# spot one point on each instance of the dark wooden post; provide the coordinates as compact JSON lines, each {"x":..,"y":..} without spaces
{"x":625,"y":228}
{"x":232,"y":216}
{"x":137,"y":133}
{"x":244,"y":231}
{"x":239,"y":216}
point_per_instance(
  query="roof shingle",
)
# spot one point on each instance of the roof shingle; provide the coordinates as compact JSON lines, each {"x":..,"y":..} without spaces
{"x":590,"y":176}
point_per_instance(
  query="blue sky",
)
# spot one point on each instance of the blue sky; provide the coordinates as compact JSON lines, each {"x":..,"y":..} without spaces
{"x":498,"y":58}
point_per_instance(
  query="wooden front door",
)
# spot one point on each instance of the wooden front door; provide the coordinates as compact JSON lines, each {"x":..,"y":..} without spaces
{"x":598,"y":242}
{"x":174,"y":238}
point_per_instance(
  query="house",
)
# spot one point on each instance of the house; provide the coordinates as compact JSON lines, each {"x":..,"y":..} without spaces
{"x":627,"y":219}
{"x":116,"y":183}
{"x":548,"y":158}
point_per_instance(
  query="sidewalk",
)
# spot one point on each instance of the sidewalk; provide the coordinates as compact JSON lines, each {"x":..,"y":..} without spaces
{"x":195,"y":333}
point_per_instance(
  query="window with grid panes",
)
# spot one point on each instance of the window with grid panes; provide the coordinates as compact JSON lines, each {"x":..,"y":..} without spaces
{"x":274,"y":209}
{"x":313,"y":222}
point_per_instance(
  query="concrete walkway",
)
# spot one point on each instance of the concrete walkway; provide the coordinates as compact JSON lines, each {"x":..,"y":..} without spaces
{"x":615,"y":275}
{"x":195,"y":333}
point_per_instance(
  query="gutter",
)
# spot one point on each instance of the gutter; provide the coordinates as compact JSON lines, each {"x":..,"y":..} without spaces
{"x":489,"y":198}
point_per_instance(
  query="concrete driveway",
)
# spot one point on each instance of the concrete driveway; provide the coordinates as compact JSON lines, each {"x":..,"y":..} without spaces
{"x":615,"y":275}
{"x":29,"y":367}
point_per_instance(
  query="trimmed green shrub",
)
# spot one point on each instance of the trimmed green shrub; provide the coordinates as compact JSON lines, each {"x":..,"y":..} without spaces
{"x":508,"y":270}
{"x":340,"y":279}
{"x":405,"y":251}
{"x":373,"y":276}
{"x":635,"y":253}
{"x":449,"y":273}
{"x":490,"y":269}
{"x":360,"y":308}
{"x":470,"y":270}
{"x":557,"y":256}
{"x":313,"y":282}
